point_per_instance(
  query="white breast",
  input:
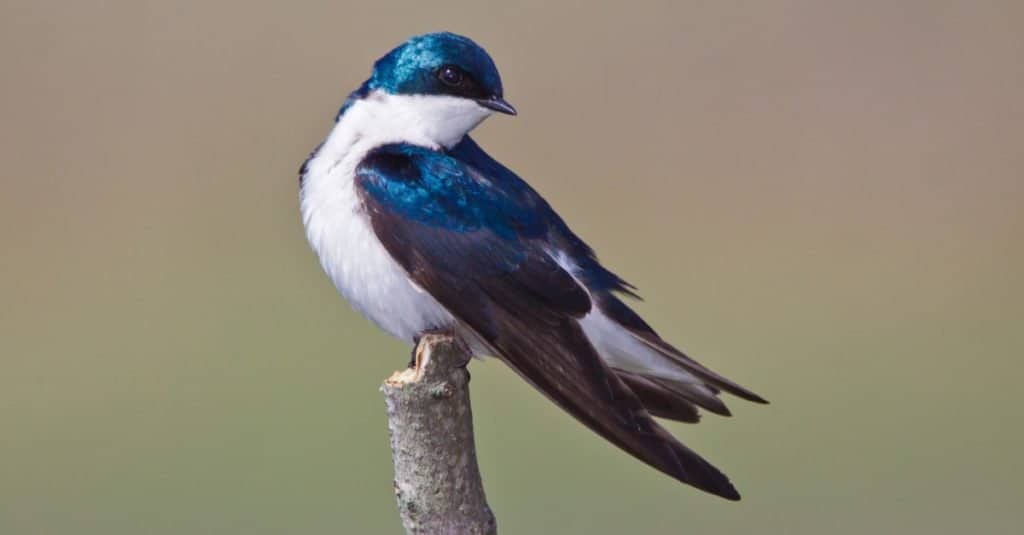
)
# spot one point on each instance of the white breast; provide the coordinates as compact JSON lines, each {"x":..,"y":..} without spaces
{"x":338,"y":227}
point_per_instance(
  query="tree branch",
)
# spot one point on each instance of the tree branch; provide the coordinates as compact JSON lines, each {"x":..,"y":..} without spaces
{"x":437,"y":482}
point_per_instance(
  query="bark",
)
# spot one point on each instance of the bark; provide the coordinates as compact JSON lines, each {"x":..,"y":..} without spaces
{"x":437,"y":481}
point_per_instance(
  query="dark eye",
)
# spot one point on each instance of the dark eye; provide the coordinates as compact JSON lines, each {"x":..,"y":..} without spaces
{"x":450,"y":75}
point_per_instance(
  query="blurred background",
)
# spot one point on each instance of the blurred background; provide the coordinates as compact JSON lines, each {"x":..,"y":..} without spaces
{"x":821,"y":200}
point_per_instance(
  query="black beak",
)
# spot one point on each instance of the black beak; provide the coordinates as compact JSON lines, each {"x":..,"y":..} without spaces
{"x":497,"y":104}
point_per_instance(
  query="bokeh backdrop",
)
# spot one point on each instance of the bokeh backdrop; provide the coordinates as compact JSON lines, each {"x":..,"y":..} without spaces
{"x":821,"y":200}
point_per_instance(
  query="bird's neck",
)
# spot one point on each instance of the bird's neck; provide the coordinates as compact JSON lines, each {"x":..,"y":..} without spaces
{"x":380,"y":118}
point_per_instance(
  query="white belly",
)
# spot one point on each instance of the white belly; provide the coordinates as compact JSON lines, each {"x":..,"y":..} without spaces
{"x":361,"y":268}
{"x":339,"y":231}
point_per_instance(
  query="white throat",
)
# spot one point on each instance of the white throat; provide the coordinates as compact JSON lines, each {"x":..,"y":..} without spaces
{"x":428,"y":120}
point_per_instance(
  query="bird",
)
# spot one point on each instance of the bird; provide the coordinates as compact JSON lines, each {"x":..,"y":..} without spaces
{"x":422,"y":231}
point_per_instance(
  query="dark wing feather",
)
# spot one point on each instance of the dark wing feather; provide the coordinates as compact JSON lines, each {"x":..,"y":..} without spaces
{"x":519,"y":301}
{"x":554,"y":355}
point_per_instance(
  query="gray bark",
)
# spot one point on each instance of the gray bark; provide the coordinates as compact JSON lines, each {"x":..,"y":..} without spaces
{"x":437,"y":482}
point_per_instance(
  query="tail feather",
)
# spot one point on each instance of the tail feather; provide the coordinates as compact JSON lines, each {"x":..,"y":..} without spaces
{"x":680,"y":359}
{"x":659,"y":400}
{"x":626,"y":342}
{"x":704,"y":396}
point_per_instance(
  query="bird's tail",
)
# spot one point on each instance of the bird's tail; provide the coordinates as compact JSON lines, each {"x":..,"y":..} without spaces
{"x":669,"y":384}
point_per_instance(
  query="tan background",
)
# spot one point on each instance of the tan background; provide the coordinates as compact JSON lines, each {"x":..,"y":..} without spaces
{"x":821,"y":200}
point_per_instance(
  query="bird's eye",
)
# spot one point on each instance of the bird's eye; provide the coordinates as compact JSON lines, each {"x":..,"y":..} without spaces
{"x":450,"y":75}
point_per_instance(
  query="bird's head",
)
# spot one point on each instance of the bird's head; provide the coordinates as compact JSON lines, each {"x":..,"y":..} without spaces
{"x":443,"y":65}
{"x":440,"y":85}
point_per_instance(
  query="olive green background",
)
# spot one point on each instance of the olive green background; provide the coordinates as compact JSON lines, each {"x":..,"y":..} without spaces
{"x":821,"y":200}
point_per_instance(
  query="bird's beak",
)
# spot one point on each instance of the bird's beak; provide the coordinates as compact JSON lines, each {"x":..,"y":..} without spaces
{"x":497,"y":104}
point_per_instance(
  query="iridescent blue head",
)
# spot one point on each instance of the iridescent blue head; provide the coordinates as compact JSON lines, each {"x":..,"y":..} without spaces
{"x":442,"y":64}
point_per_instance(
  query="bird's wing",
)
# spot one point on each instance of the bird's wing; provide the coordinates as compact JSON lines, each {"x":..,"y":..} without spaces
{"x":481,"y":254}
{"x":603,"y":286}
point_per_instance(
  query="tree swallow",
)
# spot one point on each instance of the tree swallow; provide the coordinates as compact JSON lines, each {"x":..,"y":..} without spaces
{"x":421,"y":230}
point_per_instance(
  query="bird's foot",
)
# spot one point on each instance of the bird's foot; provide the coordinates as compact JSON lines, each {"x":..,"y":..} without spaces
{"x":415,"y":348}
